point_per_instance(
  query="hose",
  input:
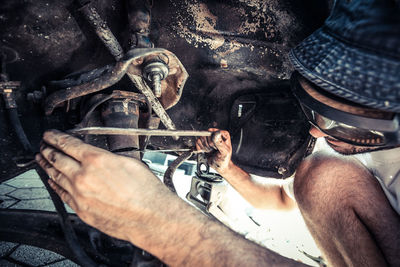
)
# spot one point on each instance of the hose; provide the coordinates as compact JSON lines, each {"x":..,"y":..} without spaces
{"x":69,"y":233}
{"x":16,"y":124}
{"x":172,"y":168}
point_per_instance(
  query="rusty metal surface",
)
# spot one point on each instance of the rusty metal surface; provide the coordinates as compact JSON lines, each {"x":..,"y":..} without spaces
{"x":111,"y":76}
{"x":122,"y":113}
{"x":106,"y":36}
{"x":102,"y":30}
{"x":228,"y":48}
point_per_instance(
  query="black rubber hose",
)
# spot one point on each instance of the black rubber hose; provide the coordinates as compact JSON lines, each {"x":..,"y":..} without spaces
{"x":16,"y":124}
{"x":169,"y":173}
{"x":70,"y":236}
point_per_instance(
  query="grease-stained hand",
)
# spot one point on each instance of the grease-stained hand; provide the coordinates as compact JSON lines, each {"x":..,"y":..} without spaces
{"x":218,"y":149}
{"x":110,"y":192}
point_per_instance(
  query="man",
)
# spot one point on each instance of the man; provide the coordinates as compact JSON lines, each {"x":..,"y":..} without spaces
{"x":348,"y":88}
{"x":333,"y":189}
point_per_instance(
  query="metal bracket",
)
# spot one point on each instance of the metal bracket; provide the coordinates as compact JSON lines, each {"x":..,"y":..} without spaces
{"x":7,"y":90}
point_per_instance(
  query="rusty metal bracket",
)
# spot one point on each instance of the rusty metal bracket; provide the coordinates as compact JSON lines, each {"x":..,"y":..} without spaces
{"x":111,"y":76}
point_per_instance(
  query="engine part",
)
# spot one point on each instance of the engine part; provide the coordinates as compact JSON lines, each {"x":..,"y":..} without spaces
{"x":154,"y":72}
{"x":113,"y":46}
{"x":123,"y":131}
{"x":114,"y":94}
{"x":122,"y":113}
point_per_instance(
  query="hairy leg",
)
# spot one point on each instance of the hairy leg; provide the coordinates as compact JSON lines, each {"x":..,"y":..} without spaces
{"x":347,"y":212}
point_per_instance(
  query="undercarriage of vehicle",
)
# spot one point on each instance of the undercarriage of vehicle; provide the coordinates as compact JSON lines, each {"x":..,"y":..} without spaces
{"x":135,"y":76}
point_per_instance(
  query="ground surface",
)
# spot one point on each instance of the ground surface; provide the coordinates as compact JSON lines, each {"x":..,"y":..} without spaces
{"x":283,"y":232}
{"x":27,"y":192}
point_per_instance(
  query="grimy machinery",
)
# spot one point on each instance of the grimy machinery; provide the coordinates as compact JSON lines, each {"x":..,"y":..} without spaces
{"x":133,"y":76}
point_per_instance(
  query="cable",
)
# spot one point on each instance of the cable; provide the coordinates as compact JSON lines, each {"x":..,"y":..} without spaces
{"x":16,"y":123}
{"x":69,"y":233}
{"x":169,"y":173}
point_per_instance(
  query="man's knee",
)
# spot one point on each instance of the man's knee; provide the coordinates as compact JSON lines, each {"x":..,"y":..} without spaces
{"x":325,"y":182}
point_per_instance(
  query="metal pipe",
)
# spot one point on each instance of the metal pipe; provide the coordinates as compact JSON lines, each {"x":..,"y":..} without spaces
{"x":102,"y":30}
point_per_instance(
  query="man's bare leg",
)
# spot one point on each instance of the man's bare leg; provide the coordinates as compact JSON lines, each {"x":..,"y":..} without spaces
{"x":347,"y":212}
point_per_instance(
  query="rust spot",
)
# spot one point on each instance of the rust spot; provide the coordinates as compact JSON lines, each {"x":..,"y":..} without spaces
{"x":223,"y":63}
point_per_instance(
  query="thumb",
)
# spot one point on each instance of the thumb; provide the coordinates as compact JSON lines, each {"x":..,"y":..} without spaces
{"x":218,"y":141}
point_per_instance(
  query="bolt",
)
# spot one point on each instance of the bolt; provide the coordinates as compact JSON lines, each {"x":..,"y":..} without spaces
{"x":156,"y":83}
{"x":154,"y":72}
{"x":282,"y":170}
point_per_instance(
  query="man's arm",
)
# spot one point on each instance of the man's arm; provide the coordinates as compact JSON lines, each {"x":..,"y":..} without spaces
{"x":121,"y":197}
{"x":265,"y":193}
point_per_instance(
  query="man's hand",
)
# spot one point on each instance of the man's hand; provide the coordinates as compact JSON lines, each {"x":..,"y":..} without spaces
{"x":107,"y":191}
{"x":121,"y":197}
{"x":218,"y":149}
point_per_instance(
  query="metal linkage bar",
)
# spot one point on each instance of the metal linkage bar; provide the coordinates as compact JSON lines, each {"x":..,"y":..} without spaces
{"x":102,"y":30}
{"x":131,"y":131}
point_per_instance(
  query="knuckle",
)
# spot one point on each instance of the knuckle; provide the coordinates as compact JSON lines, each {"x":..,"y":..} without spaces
{"x":80,"y":181}
{"x":58,"y":176}
{"x":65,"y":196}
{"x":83,"y":206}
{"x":67,"y":140}
{"x":94,"y":158}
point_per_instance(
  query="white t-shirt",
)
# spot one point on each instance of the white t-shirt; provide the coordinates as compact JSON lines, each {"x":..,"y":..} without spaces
{"x":384,"y":165}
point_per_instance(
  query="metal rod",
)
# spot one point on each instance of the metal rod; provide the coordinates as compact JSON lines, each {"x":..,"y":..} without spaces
{"x":102,"y":30}
{"x":130,"y":131}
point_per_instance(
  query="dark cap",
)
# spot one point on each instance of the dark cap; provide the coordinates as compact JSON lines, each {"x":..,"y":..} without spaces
{"x":356,"y":54}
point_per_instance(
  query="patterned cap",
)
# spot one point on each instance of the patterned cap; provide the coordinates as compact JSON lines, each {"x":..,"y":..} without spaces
{"x":356,"y":54}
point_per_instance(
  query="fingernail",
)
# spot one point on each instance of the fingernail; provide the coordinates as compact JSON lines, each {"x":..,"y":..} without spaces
{"x":54,"y":131}
{"x":42,"y":146}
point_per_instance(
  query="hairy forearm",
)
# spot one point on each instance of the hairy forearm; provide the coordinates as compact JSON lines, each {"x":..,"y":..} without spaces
{"x":121,"y":197}
{"x":181,"y":236}
{"x":265,"y":194}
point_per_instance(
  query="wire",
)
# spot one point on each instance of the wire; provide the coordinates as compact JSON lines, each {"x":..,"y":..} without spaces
{"x":16,"y":123}
{"x":69,"y":233}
